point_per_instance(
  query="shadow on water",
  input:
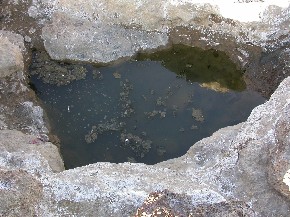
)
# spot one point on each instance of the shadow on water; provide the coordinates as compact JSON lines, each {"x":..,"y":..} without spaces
{"x":198,"y":65}
{"x":140,"y":111}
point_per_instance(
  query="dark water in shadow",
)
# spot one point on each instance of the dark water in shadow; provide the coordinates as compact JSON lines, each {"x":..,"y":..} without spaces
{"x":140,"y":111}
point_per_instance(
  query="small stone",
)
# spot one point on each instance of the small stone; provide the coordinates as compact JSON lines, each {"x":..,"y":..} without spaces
{"x":27,"y":39}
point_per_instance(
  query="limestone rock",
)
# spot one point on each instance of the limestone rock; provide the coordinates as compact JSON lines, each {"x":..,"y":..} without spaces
{"x":242,"y":169}
{"x":280,"y":156}
{"x":11,"y":59}
{"x":20,"y":193}
{"x":76,"y":39}
{"x":14,"y":38}
{"x":166,"y":203}
{"x":29,"y":152}
{"x":238,"y":163}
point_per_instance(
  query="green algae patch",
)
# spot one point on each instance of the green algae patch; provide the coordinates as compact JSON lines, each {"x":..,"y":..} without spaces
{"x":210,"y":68}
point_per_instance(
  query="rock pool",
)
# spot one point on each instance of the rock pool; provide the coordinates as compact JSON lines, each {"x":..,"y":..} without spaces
{"x":148,"y":110}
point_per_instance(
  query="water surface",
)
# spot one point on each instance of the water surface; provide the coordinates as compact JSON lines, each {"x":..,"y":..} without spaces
{"x":143,"y":111}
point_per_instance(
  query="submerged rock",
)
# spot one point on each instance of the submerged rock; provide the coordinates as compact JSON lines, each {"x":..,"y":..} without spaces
{"x":53,"y":72}
{"x":111,"y":125}
{"x":124,"y":98}
{"x":138,"y":145}
{"x":197,"y":115}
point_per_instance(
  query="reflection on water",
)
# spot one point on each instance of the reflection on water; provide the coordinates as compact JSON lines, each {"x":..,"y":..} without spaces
{"x":209,"y":67}
{"x":140,"y":111}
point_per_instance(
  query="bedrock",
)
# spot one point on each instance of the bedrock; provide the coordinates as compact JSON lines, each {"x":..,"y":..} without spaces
{"x":239,"y":170}
{"x":254,"y":34}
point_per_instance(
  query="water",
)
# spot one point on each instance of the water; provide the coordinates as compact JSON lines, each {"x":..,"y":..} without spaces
{"x":141,"y":111}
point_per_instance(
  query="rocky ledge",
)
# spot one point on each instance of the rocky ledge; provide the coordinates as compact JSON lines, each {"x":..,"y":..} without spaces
{"x":241,"y":170}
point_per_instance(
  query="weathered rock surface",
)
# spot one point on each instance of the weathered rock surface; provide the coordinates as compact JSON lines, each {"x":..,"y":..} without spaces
{"x":19,"y":192}
{"x":238,"y":169}
{"x":166,"y":203}
{"x":76,"y":39}
{"x":27,"y":151}
{"x":233,"y":164}
{"x":11,"y":59}
{"x":113,"y":27}
{"x":18,"y":107}
{"x":243,"y":169}
{"x":106,"y":31}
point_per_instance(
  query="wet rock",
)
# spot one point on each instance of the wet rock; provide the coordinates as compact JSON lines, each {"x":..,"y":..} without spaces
{"x":11,"y":59}
{"x":53,"y":72}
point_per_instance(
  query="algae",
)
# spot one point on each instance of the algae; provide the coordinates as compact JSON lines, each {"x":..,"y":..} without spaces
{"x":137,"y":111}
{"x":53,"y":72}
{"x":198,"y":65}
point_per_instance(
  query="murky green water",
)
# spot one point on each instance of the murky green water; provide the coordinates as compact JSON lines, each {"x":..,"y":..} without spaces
{"x":144,"y":111}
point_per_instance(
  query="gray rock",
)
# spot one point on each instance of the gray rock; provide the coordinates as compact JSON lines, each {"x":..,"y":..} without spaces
{"x":20,"y":193}
{"x":232,"y":164}
{"x":105,"y":31}
{"x":243,"y":168}
{"x":11,"y":59}
{"x":77,"y":39}
{"x":280,"y":158}
{"x":14,"y":38}
{"x":28,"y":152}
{"x":236,"y":170}
{"x":166,"y":203}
